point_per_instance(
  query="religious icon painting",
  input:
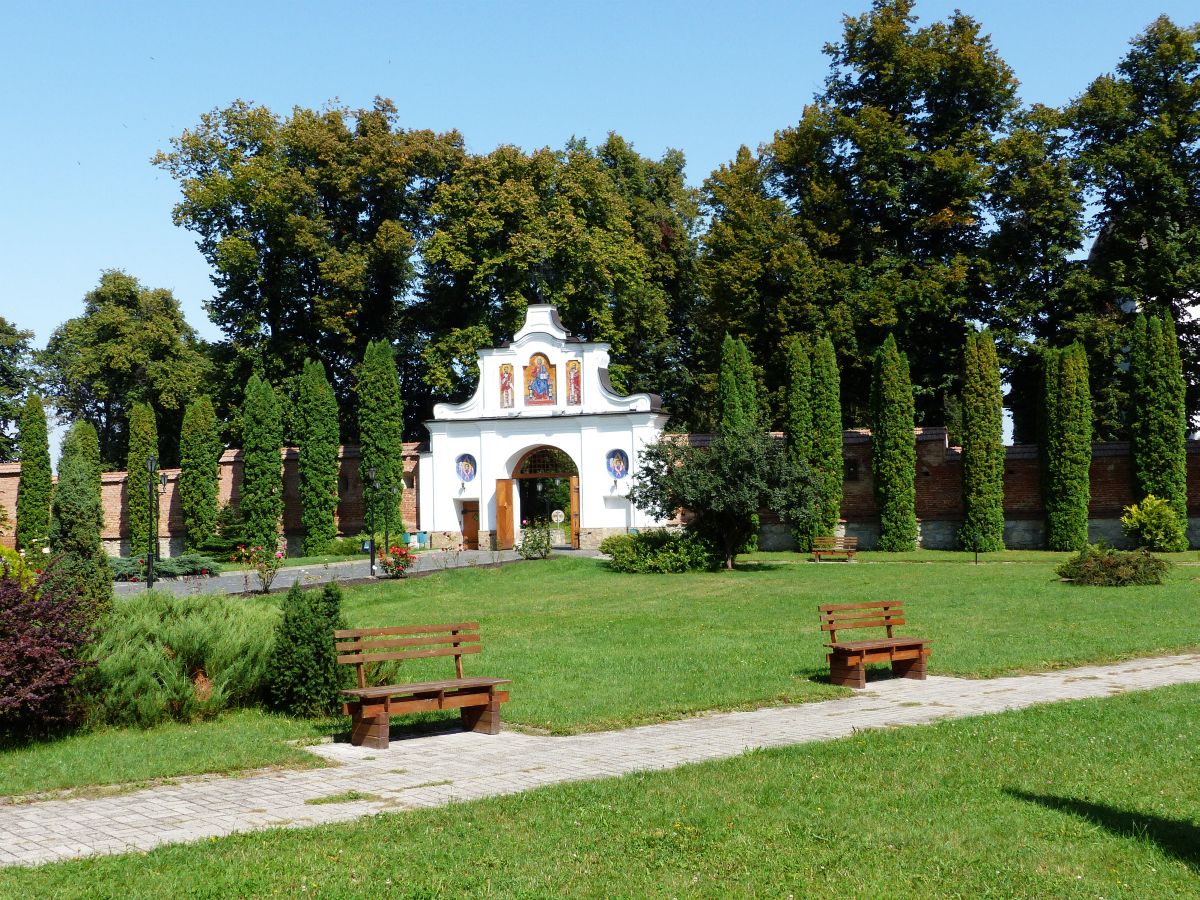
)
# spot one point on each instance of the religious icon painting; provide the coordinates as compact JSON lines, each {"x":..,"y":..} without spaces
{"x":465,"y":467}
{"x":508,"y":393}
{"x":574,"y":383}
{"x":539,"y":382}
{"x":618,"y":463}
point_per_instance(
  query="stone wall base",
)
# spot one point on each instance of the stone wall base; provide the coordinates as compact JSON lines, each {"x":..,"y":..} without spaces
{"x":172,"y":546}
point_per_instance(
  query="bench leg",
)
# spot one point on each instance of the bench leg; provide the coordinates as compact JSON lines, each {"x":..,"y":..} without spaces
{"x":910,"y":668}
{"x":847,"y":675}
{"x":369,"y":725}
{"x":482,"y":719}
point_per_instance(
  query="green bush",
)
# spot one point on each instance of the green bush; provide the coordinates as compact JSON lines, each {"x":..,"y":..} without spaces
{"x":162,"y":657}
{"x":535,"y":539}
{"x":657,"y":551}
{"x":1153,"y":524}
{"x":143,"y":443}
{"x":345,"y":546}
{"x":316,"y":413}
{"x":1107,"y":567}
{"x":200,"y":451}
{"x":35,"y":486}
{"x":304,"y":677}
{"x":230,"y":532}
{"x":133,"y":568}
{"x":894,"y":448}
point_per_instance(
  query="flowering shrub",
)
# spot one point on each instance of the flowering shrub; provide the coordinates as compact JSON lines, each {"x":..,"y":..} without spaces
{"x":535,"y":539}
{"x":266,"y":563}
{"x":396,"y":561}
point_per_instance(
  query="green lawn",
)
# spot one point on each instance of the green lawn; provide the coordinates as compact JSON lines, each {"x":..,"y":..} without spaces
{"x":1094,"y":798}
{"x":590,"y":649}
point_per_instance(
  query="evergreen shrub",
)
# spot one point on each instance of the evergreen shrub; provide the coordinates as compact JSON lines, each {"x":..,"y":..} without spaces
{"x":317,"y":468}
{"x":76,"y":520}
{"x":1153,"y":524}
{"x":1106,"y":567}
{"x":826,"y":459}
{"x":44,"y":631}
{"x":200,"y":451}
{"x":894,"y":448}
{"x":143,"y":443}
{"x":381,"y":431}
{"x":1067,"y":448}
{"x":658,"y":551}
{"x":229,"y":533}
{"x":36,"y":482}
{"x":983,"y":446}
{"x":160,"y":657}
{"x":262,"y":472}
{"x":133,"y":568}
{"x":303,"y":677}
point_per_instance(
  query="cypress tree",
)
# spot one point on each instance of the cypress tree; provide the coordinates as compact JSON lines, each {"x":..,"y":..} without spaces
{"x":983,"y":446}
{"x":894,"y":448}
{"x":199,"y":463}
{"x":143,"y":443}
{"x":737,"y":393}
{"x":303,"y":677}
{"x":317,"y":424}
{"x":799,"y":425}
{"x":381,"y":431}
{"x":1159,"y":418}
{"x":262,"y":469}
{"x":826,"y":458}
{"x":77,"y":519}
{"x":1068,"y":448}
{"x":36,"y":484}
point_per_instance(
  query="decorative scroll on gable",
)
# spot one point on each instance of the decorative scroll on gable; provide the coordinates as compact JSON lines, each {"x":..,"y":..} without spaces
{"x":544,"y":371}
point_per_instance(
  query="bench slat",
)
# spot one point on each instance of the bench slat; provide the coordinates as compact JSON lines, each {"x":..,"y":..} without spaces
{"x":391,"y":643}
{"x":388,"y":690}
{"x":404,"y":629}
{"x":876,"y":604}
{"x":862,"y":614}
{"x":869,"y":623}
{"x":356,"y":658}
{"x":882,"y":642}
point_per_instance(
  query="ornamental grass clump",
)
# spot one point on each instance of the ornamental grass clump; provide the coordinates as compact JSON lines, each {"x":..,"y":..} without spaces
{"x":1106,"y":567}
{"x":159,"y":657}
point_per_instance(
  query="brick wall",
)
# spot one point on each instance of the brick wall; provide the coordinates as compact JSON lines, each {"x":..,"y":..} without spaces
{"x":113,"y":489}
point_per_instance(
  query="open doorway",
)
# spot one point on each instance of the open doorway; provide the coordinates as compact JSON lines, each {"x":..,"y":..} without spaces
{"x":548,"y":489}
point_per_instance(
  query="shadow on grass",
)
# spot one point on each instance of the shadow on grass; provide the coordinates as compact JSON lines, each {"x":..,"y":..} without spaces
{"x":758,"y":566}
{"x":414,"y":725}
{"x":1179,"y":838}
{"x":874,"y":673}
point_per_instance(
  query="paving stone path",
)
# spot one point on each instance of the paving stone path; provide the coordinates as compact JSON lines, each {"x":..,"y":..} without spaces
{"x":432,"y":770}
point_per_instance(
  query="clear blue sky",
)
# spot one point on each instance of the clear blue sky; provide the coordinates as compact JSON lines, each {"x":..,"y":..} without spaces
{"x":92,"y":90}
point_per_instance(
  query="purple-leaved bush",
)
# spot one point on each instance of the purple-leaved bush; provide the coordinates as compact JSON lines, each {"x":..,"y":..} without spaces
{"x":43,"y":631}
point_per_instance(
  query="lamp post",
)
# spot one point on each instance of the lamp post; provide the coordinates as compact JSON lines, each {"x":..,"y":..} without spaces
{"x":371,"y":512}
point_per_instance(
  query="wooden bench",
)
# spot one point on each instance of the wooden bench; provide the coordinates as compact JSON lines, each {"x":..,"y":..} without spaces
{"x":835,"y":546}
{"x":477,"y":699}
{"x":848,"y":659}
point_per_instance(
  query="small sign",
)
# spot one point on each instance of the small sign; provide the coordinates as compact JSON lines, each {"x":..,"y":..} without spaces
{"x":557,"y":517}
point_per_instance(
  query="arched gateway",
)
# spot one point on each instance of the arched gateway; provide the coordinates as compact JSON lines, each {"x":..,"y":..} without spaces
{"x":544,"y":429}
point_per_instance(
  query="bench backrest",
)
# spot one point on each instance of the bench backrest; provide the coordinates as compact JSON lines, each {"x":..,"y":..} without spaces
{"x":359,"y":646}
{"x":877,"y":614}
{"x":835,"y":543}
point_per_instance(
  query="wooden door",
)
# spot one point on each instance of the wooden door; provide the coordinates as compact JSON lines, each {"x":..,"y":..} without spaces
{"x":504,"y":513}
{"x":470,"y":524}
{"x":575,"y":511}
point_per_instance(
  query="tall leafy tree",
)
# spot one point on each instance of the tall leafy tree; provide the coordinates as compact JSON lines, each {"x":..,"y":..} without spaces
{"x":262,"y":469}
{"x":894,"y":449}
{"x":317,"y":425}
{"x":16,"y":375}
{"x":200,"y":451}
{"x":381,"y":431}
{"x":603,"y":233}
{"x":36,"y":483}
{"x":311,"y":224}
{"x":1137,"y":135}
{"x":1067,"y":447}
{"x":1158,"y":416}
{"x":131,"y":345}
{"x":77,"y":520}
{"x":983,"y":446}
{"x":143,"y":443}
{"x":825,"y":459}
{"x":892,"y":174}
